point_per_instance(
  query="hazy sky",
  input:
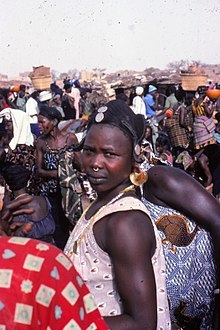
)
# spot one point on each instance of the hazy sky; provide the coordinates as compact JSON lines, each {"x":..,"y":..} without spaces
{"x":111,"y":34}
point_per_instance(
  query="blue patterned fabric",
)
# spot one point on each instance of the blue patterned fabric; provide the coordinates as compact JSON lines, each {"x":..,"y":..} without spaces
{"x":190,"y":267}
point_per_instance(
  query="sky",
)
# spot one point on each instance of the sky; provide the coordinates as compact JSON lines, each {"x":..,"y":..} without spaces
{"x":107,"y":34}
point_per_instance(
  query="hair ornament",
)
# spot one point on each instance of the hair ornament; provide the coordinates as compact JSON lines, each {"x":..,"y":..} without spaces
{"x":100,"y":115}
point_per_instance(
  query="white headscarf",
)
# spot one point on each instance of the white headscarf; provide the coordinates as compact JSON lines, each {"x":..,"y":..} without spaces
{"x":21,"y":127}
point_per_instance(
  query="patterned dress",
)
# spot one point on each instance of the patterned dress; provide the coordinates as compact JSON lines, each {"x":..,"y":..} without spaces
{"x":40,"y":289}
{"x":50,"y":187}
{"x":95,"y":266}
{"x":203,"y":127}
{"x":190,"y":267}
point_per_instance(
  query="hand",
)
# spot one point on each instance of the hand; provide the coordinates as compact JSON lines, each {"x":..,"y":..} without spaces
{"x":20,"y":229}
{"x":10,"y":210}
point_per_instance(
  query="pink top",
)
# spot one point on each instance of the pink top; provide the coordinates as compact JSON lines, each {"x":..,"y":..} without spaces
{"x":94,"y":265}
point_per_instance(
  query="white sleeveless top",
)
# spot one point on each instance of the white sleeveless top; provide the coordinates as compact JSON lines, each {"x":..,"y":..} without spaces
{"x":94,"y":265}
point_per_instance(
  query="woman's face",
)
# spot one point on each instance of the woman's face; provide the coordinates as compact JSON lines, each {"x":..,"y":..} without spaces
{"x":45,"y":125}
{"x":107,"y":157}
{"x":9,"y":127}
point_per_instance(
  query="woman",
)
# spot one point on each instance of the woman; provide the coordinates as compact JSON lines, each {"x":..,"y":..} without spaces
{"x":51,"y":146}
{"x":41,"y":223}
{"x":178,"y":128}
{"x":184,"y":212}
{"x":203,"y":126}
{"x":19,"y":149}
{"x":114,"y":245}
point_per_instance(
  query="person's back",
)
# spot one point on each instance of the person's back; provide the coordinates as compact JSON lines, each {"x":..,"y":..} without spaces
{"x":138,"y":105}
{"x":171,"y":100}
{"x":40,"y":289}
{"x":183,"y":217}
{"x":41,"y":221}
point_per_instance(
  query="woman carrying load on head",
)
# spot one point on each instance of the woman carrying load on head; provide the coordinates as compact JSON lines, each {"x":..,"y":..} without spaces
{"x":51,"y":146}
{"x":114,"y":245}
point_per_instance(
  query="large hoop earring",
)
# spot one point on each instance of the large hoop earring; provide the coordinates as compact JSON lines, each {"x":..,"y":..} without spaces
{"x":138,"y":177}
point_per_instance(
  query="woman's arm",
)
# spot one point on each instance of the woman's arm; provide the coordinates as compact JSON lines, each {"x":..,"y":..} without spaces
{"x":130,"y":242}
{"x":204,"y":164}
{"x":39,"y":162}
{"x":182,"y":114}
{"x":174,"y":188}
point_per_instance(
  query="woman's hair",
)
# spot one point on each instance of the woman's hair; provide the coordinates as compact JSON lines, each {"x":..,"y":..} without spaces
{"x":117,"y":113}
{"x":50,"y":113}
{"x":16,"y":176}
{"x":163,"y":141}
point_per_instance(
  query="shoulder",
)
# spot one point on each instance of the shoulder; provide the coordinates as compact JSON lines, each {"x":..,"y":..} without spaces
{"x":173,"y":186}
{"x":131,"y":231}
{"x":167,"y":176}
{"x":70,"y":138}
{"x":40,"y":142}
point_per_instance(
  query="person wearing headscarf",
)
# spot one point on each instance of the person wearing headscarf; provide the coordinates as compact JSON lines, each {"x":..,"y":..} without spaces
{"x":20,"y":149}
{"x":51,"y":148}
{"x":114,"y":245}
{"x":41,"y":223}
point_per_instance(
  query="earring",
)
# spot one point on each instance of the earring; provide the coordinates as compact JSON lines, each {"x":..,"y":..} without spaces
{"x":138,"y":177}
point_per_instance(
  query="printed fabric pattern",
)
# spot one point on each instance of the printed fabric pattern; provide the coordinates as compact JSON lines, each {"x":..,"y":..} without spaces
{"x":40,"y":289}
{"x":96,"y":269}
{"x":190,"y":267}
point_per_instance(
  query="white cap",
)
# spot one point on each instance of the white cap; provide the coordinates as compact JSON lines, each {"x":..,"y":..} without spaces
{"x":45,"y":96}
{"x":139,"y":90}
{"x":31,"y":90}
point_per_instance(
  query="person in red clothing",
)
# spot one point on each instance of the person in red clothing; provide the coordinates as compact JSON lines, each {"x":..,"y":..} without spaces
{"x":39,"y":286}
{"x":40,"y":289}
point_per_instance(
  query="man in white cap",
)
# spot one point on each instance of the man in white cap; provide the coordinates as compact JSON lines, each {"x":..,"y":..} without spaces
{"x":32,"y":110}
{"x":138,"y":105}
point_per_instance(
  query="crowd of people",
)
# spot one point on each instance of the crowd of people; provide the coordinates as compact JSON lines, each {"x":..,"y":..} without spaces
{"x":128,"y":186}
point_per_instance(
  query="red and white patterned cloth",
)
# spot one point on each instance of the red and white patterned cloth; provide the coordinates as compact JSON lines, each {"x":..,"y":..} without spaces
{"x":40,"y":289}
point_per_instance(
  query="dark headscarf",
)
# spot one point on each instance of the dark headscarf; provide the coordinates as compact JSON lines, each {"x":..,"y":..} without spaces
{"x":16,"y":176}
{"x":50,"y":113}
{"x":117,"y":113}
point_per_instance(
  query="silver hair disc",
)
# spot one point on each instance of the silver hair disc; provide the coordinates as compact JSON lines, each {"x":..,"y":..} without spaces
{"x":99,"y":117}
{"x":103,"y":109}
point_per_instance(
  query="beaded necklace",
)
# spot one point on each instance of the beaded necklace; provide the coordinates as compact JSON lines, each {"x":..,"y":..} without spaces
{"x":78,"y":241}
